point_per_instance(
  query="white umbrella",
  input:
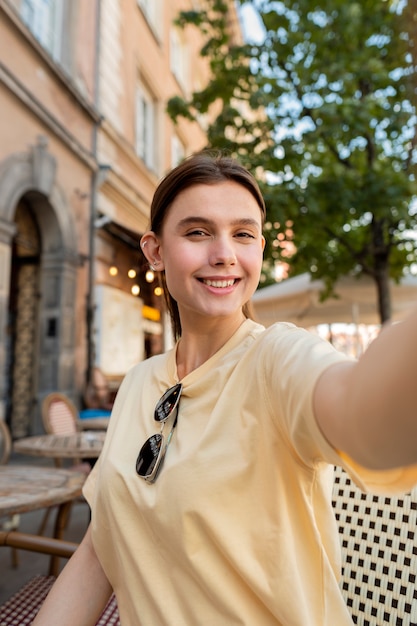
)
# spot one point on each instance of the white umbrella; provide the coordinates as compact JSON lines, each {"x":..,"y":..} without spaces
{"x":297,"y":300}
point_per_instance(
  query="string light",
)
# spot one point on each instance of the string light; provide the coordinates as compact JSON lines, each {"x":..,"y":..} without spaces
{"x":149,"y":276}
{"x":135,"y":289}
{"x":113,"y":271}
{"x":158,"y":291}
{"x":131,"y":273}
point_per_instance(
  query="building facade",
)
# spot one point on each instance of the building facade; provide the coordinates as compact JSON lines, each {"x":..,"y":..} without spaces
{"x":84,"y":139}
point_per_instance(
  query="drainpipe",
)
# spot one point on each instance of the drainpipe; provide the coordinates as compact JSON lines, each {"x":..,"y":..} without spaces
{"x":96,"y":180}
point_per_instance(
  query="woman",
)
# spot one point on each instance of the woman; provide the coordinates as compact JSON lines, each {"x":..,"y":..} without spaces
{"x":211,"y":499}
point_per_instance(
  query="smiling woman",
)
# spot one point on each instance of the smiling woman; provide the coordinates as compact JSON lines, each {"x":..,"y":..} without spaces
{"x":197,"y":187}
{"x":214,"y":482}
{"x":211,"y":265}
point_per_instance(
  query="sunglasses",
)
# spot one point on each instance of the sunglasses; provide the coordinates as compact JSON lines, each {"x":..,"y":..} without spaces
{"x":152,"y":453}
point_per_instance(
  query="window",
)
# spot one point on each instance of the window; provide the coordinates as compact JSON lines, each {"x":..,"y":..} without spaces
{"x":152,"y":11}
{"x":146,"y":119}
{"x":179,"y":57}
{"x":44,"y":19}
{"x":177,"y":150}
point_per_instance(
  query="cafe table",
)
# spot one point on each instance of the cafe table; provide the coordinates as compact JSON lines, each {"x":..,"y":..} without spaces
{"x":94,"y":423}
{"x":84,"y":444}
{"x":26,"y":488}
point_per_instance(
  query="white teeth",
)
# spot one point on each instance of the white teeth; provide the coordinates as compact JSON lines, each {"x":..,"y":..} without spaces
{"x":219,"y":283}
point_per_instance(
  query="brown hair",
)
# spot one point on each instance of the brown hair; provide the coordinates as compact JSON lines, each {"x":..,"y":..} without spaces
{"x":203,"y":168}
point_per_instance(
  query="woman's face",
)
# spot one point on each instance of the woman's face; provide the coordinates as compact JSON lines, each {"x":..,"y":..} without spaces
{"x":211,"y":248}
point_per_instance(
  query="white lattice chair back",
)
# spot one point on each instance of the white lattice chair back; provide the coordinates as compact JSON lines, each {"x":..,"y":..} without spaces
{"x":379,"y":554}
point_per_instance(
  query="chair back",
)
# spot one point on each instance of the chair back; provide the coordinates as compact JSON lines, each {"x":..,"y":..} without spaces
{"x":5,"y":443}
{"x":379,"y":554}
{"x":59,"y":415}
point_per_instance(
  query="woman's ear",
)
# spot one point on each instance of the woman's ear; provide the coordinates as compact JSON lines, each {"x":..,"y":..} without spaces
{"x":151,"y":248}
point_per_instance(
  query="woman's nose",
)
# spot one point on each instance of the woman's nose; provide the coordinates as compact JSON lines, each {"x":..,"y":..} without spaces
{"x":222,"y":253}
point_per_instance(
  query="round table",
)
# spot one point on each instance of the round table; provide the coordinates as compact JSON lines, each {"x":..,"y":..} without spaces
{"x":27,"y":488}
{"x":85,"y":444}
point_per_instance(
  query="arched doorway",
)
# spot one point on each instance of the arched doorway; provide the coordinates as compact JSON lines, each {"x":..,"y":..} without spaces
{"x":23,"y":318}
{"x":39,"y":261}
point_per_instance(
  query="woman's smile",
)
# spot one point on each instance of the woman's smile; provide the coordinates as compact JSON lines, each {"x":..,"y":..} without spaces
{"x":220,"y":286}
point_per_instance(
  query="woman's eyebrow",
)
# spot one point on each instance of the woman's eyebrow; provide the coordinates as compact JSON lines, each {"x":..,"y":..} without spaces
{"x":195,"y":220}
{"x":244,"y":221}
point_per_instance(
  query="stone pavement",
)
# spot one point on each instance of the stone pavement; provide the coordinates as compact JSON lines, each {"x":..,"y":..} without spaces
{"x":30,"y":563}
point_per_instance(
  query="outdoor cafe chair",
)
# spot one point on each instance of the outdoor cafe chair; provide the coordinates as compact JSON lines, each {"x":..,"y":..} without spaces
{"x":60,"y":417}
{"x":22,"y":607}
{"x":10,"y":522}
{"x":5,"y":443}
{"x":378,"y":537}
{"x":59,"y":414}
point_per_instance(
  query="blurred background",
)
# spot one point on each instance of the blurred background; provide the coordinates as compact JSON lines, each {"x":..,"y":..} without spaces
{"x":100,"y":98}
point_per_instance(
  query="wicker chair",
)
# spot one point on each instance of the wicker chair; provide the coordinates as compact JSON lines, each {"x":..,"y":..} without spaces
{"x":379,"y":554}
{"x":5,"y":443}
{"x":59,"y":414}
{"x":22,"y":607}
{"x":10,"y":522}
{"x":60,"y":417}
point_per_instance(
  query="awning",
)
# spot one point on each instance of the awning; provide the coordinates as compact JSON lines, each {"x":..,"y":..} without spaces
{"x":297,"y":300}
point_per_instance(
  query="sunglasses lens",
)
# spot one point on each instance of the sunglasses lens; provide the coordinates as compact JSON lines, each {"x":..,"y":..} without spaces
{"x":148,"y":456}
{"x":167,"y":403}
{"x":152,"y":453}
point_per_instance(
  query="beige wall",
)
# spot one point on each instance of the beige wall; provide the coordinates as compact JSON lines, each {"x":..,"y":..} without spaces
{"x":67,"y":157}
{"x":46,"y":165}
{"x":131,"y":52}
{"x":42,"y":81}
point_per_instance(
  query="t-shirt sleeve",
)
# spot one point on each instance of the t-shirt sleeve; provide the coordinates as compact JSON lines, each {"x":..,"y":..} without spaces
{"x":90,"y":484}
{"x":295,"y":359}
{"x":387,"y":482}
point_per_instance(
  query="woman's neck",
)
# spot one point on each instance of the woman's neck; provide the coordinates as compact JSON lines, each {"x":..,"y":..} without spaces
{"x":196,"y":346}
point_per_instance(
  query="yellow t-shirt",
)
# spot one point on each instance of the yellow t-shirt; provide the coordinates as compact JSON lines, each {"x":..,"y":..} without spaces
{"x":238,"y":529}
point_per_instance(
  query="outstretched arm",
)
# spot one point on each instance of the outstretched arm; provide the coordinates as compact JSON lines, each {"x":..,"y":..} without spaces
{"x":80,"y":592}
{"x":368,"y":409}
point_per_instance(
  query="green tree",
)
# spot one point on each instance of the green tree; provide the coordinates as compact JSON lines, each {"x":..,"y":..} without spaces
{"x":323,"y":111}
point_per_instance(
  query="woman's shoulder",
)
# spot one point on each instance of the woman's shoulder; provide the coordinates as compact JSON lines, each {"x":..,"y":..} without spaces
{"x":277,"y":331}
{"x":285,"y":339}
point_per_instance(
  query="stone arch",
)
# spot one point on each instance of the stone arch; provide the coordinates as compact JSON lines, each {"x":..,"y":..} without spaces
{"x":34,"y":172}
{"x":32,"y":176}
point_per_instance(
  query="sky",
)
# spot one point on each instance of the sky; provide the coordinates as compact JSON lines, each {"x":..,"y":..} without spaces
{"x":252,"y":27}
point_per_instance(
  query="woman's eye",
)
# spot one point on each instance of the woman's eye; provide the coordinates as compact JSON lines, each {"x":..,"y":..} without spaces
{"x":196,"y":233}
{"x":245,"y":235}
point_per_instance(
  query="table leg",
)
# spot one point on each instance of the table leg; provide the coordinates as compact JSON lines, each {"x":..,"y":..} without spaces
{"x":61,"y":522}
